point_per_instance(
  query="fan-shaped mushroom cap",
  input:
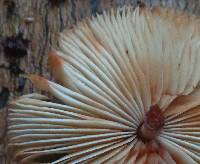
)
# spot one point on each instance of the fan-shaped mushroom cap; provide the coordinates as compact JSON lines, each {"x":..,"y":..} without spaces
{"x":116,"y":72}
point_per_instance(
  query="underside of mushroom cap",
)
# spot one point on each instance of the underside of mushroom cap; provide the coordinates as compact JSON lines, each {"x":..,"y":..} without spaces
{"x":121,"y":74}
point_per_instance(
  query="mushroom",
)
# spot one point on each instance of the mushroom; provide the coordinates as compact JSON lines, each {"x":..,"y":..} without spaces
{"x":127,"y":89}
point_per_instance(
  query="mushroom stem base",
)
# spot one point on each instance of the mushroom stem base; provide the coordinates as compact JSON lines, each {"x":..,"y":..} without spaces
{"x":152,"y":125}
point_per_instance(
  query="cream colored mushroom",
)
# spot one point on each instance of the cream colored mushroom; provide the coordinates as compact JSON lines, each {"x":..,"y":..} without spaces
{"x":128,"y":92}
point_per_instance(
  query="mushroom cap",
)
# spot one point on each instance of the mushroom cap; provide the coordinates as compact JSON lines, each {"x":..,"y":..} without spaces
{"x":111,"y":69}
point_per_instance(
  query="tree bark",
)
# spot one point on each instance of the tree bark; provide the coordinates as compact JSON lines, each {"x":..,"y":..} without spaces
{"x":40,"y":21}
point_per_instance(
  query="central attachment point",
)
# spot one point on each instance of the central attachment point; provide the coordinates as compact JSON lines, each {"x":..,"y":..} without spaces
{"x":153,"y":123}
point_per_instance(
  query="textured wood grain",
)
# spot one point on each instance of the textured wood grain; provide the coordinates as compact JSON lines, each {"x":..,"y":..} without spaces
{"x":41,"y":20}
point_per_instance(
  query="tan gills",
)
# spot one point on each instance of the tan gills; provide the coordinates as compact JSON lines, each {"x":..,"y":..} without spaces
{"x":128,"y":92}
